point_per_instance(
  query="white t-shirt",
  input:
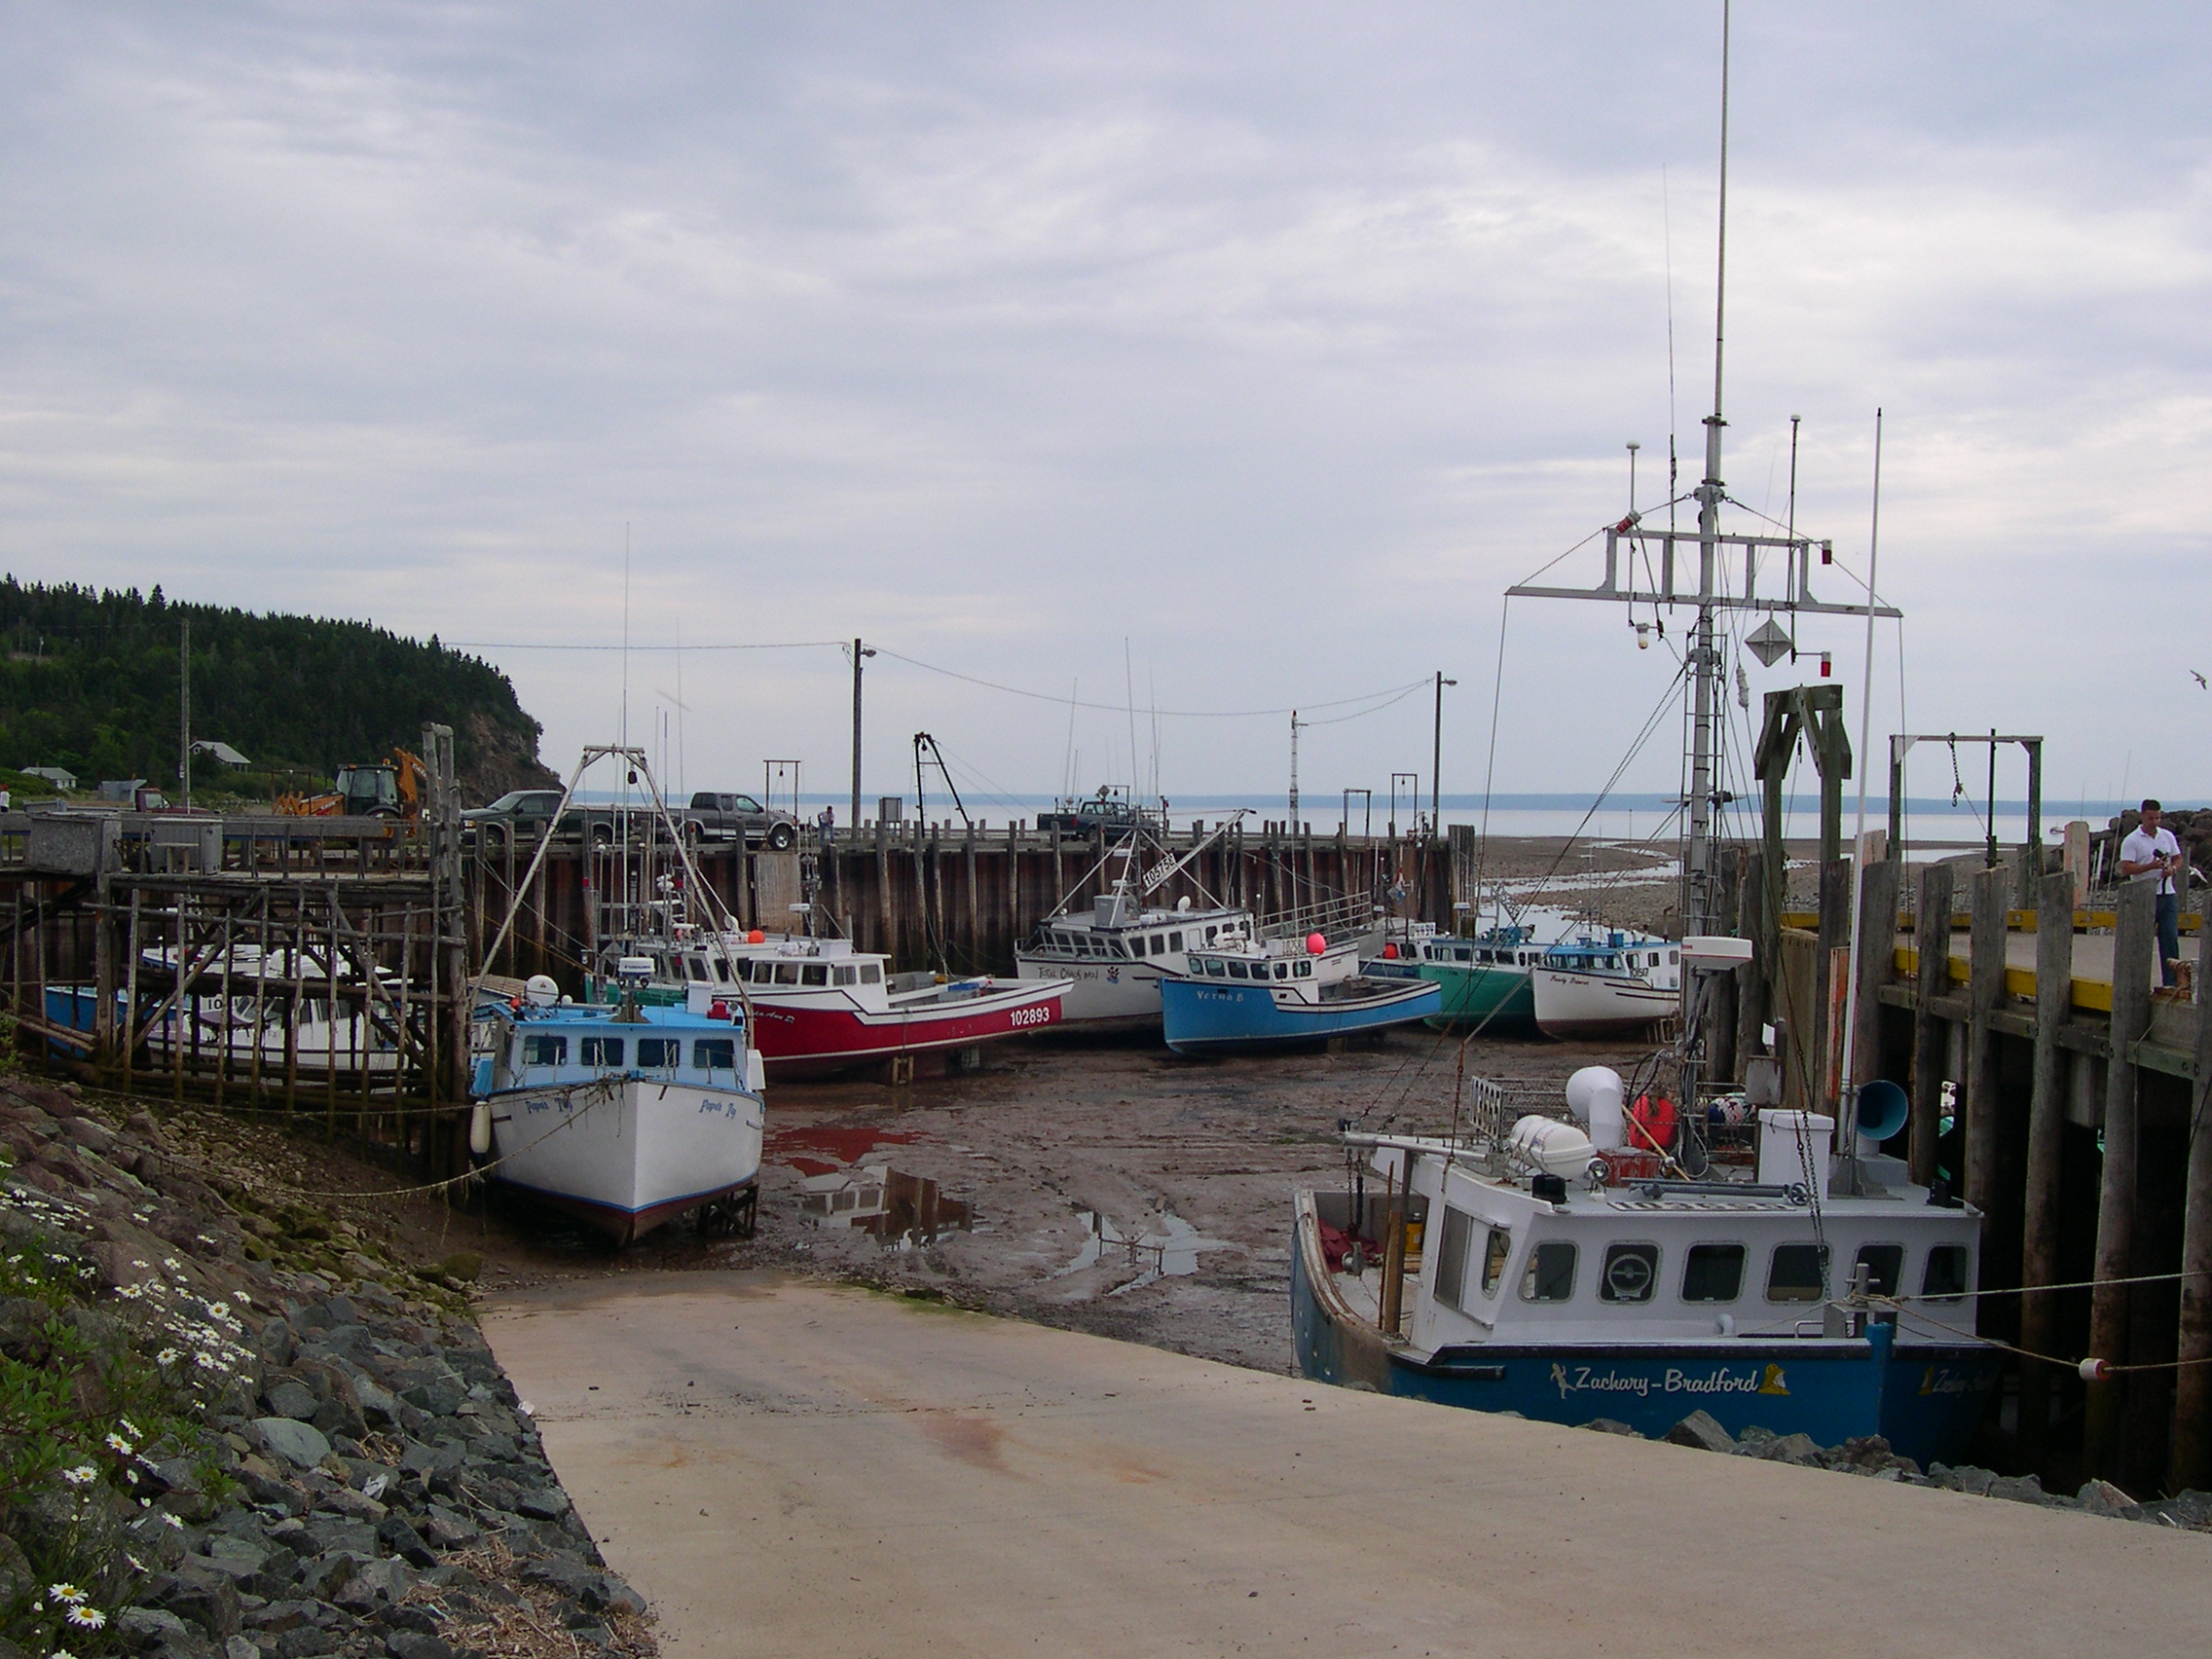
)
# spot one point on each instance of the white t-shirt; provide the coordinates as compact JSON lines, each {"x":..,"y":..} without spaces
{"x":2140,"y":848}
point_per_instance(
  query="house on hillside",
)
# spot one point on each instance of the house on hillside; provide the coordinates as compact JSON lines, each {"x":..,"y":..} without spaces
{"x":60,"y":778}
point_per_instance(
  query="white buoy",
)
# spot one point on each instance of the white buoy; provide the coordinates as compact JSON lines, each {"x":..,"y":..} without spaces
{"x":480,"y":1128}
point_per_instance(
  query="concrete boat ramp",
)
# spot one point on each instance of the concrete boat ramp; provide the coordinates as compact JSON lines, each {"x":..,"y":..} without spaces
{"x":789,"y":1468}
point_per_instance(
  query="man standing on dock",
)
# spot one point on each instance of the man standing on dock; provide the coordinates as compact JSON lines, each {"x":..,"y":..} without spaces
{"x":2150,"y":853}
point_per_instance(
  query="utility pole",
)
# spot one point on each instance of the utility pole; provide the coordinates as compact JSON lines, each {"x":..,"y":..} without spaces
{"x":859,"y":652}
{"x":1436,"y":760}
{"x":1294,"y":771}
{"x":184,"y":714}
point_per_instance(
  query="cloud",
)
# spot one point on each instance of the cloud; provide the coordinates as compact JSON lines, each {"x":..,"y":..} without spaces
{"x":1274,"y":342}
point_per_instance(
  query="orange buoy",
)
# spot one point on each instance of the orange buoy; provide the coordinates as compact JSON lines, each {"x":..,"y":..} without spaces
{"x":1652,"y":1123}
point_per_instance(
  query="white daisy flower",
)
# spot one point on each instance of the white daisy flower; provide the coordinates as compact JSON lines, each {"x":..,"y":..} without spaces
{"x":64,"y":1593}
{"x":129,"y":1428}
{"x":168,"y":1519}
{"x":167,"y":1356}
{"x":84,"y":1617}
{"x":83,"y":1474}
{"x":116,"y":1443}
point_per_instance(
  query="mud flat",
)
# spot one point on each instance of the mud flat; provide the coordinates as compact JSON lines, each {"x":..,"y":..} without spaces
{"x":786,"y":1466}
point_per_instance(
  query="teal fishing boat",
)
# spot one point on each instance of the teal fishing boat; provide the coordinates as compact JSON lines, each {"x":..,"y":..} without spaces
{"x":1484,"y":981}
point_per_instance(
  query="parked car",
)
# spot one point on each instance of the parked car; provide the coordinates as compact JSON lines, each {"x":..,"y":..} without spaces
{"x":719,"y":816}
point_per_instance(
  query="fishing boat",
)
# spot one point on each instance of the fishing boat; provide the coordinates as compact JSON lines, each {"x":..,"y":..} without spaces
{"x":820,"y":1007}
{"x":304,"y":1021}
{"x":1114,"y":955}
{"x":1611,"y":985}
{"x":623,"y":1116}
{"x":1250,"y":994}
{"x":1531,"y":1267}
{"x":1484,"y":982}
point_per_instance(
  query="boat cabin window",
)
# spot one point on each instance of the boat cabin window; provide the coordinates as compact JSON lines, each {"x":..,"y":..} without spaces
{"x":1714,"y":1272}
{"x":814,"y":973}
{"x":696,"y":967}
{"x":602,"y":1051}
{"x":870,"y":974}
{"x":1463,"y":954}
{"x":846,"y":974}
{"x":1306,"y":970}
{"x":1174,"y":941}
{"x":1551,"y":1272}
{"x":715,"y":1054}
{"x":1673,"y":957}
{"x":721,"y":968}
{"x":656,"y":1053}
{"x":1210,"y":932}
{"x":1237,"y":970}
{"x":1630,"y":1272}
{"x":1497,"y":1248}
{"x":1797,"y":1273}
{"x":787,"y":972}
{"x":1282,"y":970}
{"x":1884,"y":1265}
{"x":539,"y":1049}
{"x":1452,"y":1256}
{"x":1944,"y":1279}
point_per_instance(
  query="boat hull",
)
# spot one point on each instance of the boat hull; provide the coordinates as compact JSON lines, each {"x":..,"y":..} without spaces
{"x":1210,"y":1016}
{"x":1102,"y":996}
{"x":822,"y":1034}
{"x":1502,"y":1001}
{"x":1567,"y":1003}
{"x":627,"y":1154}
{"x":1927,"y":1400}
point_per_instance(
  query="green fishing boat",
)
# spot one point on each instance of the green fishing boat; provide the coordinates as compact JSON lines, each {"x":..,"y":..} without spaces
{"x":1484,"y":980}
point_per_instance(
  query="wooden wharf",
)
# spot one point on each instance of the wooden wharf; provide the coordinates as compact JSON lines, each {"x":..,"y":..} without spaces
{"x":2055,"y":1085}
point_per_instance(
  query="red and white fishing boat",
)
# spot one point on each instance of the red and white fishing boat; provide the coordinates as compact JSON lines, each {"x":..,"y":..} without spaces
{"x":820,"y":1007}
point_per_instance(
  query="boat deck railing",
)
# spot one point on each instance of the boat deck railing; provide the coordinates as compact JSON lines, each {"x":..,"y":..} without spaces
{"x":1336,"y":919}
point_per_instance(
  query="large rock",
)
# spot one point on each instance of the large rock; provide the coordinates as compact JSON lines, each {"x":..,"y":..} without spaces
{"x":299,"y":1443}
{"x":1702,"y":1429}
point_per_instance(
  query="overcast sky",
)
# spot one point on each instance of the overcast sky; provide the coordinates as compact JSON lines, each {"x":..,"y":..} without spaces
{"x":1272,"y":340}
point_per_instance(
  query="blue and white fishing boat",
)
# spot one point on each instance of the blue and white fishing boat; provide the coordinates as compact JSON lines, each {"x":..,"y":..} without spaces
{"x":1517,"y":1271}
{"x":1606,"y":984}
{"x":624,"y":1115}
{"x":1246,"y":994}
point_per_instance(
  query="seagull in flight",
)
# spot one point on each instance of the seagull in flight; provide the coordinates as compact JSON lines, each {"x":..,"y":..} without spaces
{"x":2200,"y":679}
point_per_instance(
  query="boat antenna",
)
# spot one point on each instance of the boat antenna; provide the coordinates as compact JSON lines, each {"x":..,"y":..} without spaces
{"x":1697,"y":873}
{"x":1850,"y":1122}
{"x":625,"y":633}
{"x":1667,"y":233}
{"x":1067,"y":765}
{"x":1129,"y":692}
{"x":1791,"y":532}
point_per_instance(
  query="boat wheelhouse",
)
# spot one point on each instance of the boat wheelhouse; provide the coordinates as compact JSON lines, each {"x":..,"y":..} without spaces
{"x":1254,"y":994}
{"x":624,"y":1115}
{"x":1529,"y":1271}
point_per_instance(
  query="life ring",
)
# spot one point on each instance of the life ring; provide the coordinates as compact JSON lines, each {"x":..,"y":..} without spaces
{"x":1652,"y":1123}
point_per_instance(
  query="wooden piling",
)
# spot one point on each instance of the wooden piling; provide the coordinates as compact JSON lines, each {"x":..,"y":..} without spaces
{"x":1985,"y":988}
{"x":2191,"y":1462}
{"x":2046,"y":1125}
{"x":2131,"y":948}
{"x":1931,"y":1044}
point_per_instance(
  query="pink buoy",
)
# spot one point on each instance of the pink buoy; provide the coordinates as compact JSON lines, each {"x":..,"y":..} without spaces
{"x":1316,"y":944}
{"x":756,"y":937}
{"x":1389,"y":954}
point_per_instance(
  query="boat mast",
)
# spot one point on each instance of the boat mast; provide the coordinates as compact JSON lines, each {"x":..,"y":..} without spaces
{"x":1705,"y":660}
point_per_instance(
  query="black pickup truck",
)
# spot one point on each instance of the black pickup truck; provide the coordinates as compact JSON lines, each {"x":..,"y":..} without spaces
{"x":715,"y":815}
{"x":521,"y":815}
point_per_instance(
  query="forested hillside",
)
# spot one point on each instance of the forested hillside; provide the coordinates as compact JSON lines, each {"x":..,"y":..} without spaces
{"x":89,"y":681}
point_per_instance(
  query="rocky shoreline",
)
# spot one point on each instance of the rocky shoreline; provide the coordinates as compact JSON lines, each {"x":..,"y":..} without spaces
{"x":332,"y":1461}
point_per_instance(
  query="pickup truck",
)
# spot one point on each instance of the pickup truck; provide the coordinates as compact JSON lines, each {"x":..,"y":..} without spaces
{"x":715,"y":815}
{"x":521,"y":815}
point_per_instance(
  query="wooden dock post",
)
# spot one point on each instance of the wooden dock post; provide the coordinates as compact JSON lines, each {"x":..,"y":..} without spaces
{"x":2191,"y":1463}
{"x":1930,"y":1038}
{"x":2046,"y":1125}
{"x":2104,"y":1443}
{"x":1753,"y":980}
{"x":1985,"y":988}
{"x":1875,"y":967}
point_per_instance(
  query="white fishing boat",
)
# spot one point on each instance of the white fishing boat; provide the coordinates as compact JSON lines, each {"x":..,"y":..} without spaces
{"x":626,"y":1116}
{"x":1611,"y":985}
{"x":1114,"y":955}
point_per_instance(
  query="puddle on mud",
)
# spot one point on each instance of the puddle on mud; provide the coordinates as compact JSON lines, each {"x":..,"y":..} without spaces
{"x":901,"y":1211}
{"x":1170,"y":1252}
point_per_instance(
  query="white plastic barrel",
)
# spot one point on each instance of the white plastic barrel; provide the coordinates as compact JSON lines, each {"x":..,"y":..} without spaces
{"x":1595,"y":1095}
{"x":1556,"y":1148}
